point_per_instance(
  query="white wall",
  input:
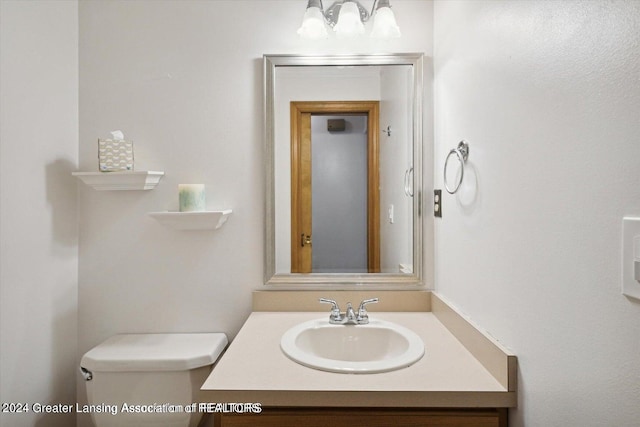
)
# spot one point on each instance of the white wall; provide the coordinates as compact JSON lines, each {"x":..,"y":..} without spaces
{"x":548,"y":96}
{"x":183,"y":80}
{"x":38,"y":221}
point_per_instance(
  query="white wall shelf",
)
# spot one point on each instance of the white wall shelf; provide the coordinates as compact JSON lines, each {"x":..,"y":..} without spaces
{"x":125,"y":180}
{"x":208,"y":220}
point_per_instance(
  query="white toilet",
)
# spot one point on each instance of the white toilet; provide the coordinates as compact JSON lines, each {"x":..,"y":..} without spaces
{"x":149,"y":379}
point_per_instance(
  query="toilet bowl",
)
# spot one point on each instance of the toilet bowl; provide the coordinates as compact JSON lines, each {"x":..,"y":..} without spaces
{"x":149,"y":379}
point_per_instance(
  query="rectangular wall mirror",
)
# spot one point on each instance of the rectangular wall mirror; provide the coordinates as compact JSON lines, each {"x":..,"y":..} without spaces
{"x":344,"y":188}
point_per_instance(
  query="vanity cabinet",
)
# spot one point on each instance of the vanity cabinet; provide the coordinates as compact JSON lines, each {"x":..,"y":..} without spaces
{"x":322,"y":417}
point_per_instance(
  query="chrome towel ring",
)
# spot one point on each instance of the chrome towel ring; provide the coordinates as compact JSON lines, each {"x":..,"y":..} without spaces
{"x":462,"y":152}
{"x":408,"y":178}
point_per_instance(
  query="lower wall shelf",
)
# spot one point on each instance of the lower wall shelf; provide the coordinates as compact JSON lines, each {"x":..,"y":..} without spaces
{"x":207,"y":220}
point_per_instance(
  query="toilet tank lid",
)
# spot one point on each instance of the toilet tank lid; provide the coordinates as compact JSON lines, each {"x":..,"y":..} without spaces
{"x":155,"y":352}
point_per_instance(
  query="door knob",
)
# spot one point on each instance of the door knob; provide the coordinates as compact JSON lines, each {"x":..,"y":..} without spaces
{"x":305,"y":240}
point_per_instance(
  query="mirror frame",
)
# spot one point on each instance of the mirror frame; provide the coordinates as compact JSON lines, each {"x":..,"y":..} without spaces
{"x":342,"y":280}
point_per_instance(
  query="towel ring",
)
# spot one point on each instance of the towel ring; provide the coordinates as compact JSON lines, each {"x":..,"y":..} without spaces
{"x":462,"y":152}
{"x":408,"y":175}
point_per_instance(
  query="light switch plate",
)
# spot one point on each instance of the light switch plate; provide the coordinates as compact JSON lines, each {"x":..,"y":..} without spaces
{"x":630,"y":230}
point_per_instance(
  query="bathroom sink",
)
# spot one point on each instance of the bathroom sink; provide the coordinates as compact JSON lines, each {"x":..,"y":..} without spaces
{"x":378,"y":346}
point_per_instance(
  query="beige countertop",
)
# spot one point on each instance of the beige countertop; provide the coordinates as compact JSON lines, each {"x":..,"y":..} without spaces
{"x":254,"y":369}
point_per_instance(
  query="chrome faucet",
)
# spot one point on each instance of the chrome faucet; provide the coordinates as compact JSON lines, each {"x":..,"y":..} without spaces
{"x":349,"y":317}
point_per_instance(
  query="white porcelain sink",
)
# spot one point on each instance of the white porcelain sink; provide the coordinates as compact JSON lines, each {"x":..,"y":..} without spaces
{"x":379,"y":346}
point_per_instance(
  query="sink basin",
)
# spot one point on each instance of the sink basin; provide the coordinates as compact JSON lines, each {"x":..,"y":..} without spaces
{"x":378,"y":346}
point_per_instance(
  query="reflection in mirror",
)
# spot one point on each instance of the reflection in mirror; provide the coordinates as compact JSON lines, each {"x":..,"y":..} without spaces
{"x":343,"y":138}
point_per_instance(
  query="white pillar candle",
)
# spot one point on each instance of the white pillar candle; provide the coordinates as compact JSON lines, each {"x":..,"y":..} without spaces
{"x":191,"y":197}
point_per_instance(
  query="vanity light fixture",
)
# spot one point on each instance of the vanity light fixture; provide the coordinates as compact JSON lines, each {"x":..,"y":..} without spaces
{"x":347,"y":19}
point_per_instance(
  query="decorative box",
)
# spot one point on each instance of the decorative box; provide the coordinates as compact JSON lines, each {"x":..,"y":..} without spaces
{"x":115,"y":155}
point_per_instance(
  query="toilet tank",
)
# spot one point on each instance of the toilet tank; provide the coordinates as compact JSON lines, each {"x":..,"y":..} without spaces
{"x":149,"y":379}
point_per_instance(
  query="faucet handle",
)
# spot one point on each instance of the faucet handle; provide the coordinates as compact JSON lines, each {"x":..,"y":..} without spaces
{"x":335,"y":310}
{"x":363,"y":317}
{"x":368,"y":301}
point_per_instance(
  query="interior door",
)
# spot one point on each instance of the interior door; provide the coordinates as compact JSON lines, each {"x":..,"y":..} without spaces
{"x":301,"y":181}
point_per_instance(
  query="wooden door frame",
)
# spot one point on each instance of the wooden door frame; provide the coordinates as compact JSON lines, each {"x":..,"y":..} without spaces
{"x":299,"y":112}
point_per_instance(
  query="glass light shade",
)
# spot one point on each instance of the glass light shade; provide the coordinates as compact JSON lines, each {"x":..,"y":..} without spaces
{"x":349,"y":23}
{"x":384,"y":24}
{"x":313,"y":24}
